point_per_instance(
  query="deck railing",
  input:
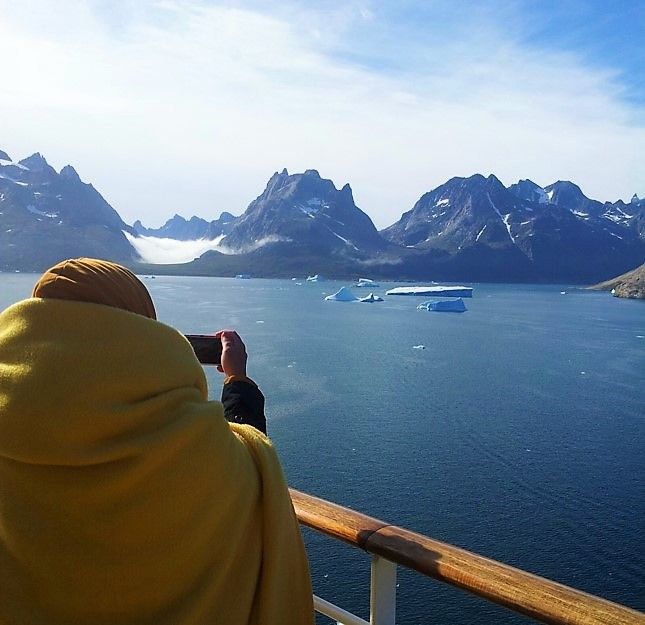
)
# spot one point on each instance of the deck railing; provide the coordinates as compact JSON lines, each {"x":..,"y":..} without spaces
{"x":389,"y":545}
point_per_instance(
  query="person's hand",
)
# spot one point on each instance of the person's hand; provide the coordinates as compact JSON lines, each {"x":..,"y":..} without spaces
{"x":233,"y":361}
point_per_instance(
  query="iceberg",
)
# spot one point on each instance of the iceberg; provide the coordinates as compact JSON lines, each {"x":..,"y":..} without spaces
{"x":451,"y":305}
{"x":315,"y":278}
{"x":342,"y":295}
{"x":448,"y":291}
{"x":366,"y":282}
{"x":371,"y":298}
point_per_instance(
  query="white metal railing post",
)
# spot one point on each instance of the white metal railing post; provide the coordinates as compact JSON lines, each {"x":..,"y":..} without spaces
{"x":336,"y":613}
{"x":383,"y":592}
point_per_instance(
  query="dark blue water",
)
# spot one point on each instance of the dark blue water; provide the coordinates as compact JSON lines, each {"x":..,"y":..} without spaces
{"x":516,"y":433}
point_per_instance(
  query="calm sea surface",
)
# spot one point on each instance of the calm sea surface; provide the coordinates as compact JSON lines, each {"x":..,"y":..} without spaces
{"x":516,"y":433}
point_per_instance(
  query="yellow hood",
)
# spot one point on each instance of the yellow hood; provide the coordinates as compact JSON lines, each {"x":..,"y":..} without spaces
{"x":125,"y":495}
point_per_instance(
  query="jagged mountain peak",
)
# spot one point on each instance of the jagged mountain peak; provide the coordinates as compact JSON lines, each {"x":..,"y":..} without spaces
{"x":528,"y":190}
{"x":460,"y":185}
{"x":4,"y":156}
{"x":192,"y":229}
{"x":565,"y":191}
{"x":564,"y":184}
{"x":277,"y":180}
{"x":36,"y":162}
{"x":528,"y":182}
{"x":472,"y":182}
{"x":306,"y":183}
{"x":467,"y":180}
{"x":460,"y":213}
{"x":304,"y":207}
{"x":635,"y":199}
{"x":55,"y":216}
{"x":70,"y":173}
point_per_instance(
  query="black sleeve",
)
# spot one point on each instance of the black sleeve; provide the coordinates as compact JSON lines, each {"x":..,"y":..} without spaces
{"x":244,"y":403}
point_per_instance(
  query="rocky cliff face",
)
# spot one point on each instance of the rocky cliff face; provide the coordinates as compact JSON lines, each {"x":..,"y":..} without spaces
{"x":466,"y":229}
{"x":552,"y":233}
{"x":630,"y":285}
{"x":306,"y":211}
{"x":46,"y":216}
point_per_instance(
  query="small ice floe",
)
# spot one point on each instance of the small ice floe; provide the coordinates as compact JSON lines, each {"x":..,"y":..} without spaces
{"x":371,"y":298}
{"x":640,"y":336}
{"x":243,"y":276}
{"x":342,"y":295}
{"x":315,"y":278}
{"x":454,"y":305}
{"x":259,"y":321}
{"x":418,"y":347}
{"x":366,"y":282}
{"x":294,"y":279}
{"x":583,"y":373}
{"x":447,"y":291}
{"x":563,"y":292}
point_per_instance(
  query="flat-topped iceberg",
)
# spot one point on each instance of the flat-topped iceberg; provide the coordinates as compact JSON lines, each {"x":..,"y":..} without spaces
{"x":448,"y":291}
{"x":371,"y":298}
{"x":451,"y":305}
{"x":366,"y":282}
{"x":342,"y":295}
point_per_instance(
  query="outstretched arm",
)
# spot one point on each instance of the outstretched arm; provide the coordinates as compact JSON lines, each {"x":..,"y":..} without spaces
{"x":243,"y":401}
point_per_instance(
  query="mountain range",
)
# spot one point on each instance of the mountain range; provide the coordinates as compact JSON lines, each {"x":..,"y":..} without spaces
{"x":471,"y":228}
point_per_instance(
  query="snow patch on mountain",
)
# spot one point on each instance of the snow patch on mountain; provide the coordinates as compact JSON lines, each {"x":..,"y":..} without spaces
{"x":6,"y":163}
{"x":32,"y":209}
{"x":504,"y":218}
{"x":617,"y":219}
{"x":508,"y":226}
{"x":542,"y":195}
{"x":22,"y":184}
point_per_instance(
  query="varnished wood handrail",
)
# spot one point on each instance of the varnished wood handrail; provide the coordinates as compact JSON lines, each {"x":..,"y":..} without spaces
{"x":536,"y":597}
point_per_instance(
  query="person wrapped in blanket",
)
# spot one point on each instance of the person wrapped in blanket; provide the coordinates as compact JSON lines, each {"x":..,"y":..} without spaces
{"x":126,"y":496}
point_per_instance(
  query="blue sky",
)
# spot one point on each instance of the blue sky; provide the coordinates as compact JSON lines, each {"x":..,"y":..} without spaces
{"x":604,"y":35}
{"x":189,"y":106}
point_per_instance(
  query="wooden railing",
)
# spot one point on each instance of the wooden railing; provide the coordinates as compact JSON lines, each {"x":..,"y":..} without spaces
{"x":528,"y":594}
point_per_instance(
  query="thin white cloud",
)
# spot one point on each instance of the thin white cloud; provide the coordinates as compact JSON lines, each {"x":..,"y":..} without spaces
{"x":188,"y":107}
{"x":161,"y":251}
{"x":169,"y":251}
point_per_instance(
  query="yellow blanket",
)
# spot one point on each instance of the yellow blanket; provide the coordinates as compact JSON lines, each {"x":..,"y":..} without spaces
{"x":125,"y":496}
